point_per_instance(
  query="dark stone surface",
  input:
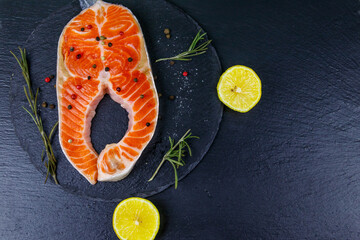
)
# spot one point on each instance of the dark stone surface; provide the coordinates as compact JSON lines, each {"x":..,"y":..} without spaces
{"x":288,"y":169}
{"x":195,"y":106}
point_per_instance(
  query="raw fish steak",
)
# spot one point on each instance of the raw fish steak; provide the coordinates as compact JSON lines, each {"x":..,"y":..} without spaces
{"x":102,"y":50}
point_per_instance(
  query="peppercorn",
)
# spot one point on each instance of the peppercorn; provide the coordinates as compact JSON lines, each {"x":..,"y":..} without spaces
{"x":185,"y":74}
{"x":52,"y":76}
{"x":141,"y":96}
{"x":89,"y":77}
{"x":102,"y":37}
{"x":148,"y":124}
{"x":69,"y":107}
{"x":130,"y":59}
{"x":167,"y":31}
{"x":168,"y":36}
{"x":135,"y":79}
{"x":121,"y":33}
{"x":172,"y":62}
{"x":70,"y":141}
{"x":97,"y":39}
{"x":107,"y":69}
{"x":110,"y":44}
{"x":73,"y":96}
{"x":118,"y":89}
{"x":89,"y":26}
{"x":171,"y":97}
{"x":72,"y":49}
{"x":82,"y":29}
{"x":44,"y":104}
{"x":78,"y":86}
{"x":47,"y":79}
{"x":78,"y":56}
{"x":94,"y":66}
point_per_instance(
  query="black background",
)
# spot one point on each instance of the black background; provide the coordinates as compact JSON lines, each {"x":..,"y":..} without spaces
{"x":288,"y":169}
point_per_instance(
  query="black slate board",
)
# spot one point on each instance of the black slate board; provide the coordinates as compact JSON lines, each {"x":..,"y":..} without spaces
{"x":196,"y":105}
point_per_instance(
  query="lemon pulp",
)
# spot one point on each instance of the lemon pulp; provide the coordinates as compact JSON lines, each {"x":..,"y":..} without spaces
{"x":136,"y":219}
{"x":239,"y":88}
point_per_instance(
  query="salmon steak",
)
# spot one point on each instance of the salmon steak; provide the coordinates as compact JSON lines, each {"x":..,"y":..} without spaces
{"x":102,"y":51}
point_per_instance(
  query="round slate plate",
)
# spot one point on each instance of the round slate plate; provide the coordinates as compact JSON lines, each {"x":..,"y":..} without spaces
{"x":196,"y":105}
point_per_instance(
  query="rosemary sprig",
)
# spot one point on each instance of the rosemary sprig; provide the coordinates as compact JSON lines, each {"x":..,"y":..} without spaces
{"x":175,"y":154}
{"x":50,"y":164}
{"x":192,"y":51}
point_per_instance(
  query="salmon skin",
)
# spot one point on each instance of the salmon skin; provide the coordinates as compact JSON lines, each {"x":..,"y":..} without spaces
{"x":102,"y":50}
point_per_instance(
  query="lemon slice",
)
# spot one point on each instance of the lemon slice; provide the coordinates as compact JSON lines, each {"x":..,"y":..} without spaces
{"x":136,"y":218}
{"x":239,"y":88}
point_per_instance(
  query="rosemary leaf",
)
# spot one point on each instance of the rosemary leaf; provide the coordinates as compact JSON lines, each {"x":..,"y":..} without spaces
{"x":192,"y":51}
{"x":176,"y":176}
{"x":175,"y":154}
{"x":42,"y":155}
{"x":53,"y":130}
{"x":50,"y":164}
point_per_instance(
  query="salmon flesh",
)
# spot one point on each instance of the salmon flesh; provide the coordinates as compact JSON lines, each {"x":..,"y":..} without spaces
{"x":102,"y":50}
